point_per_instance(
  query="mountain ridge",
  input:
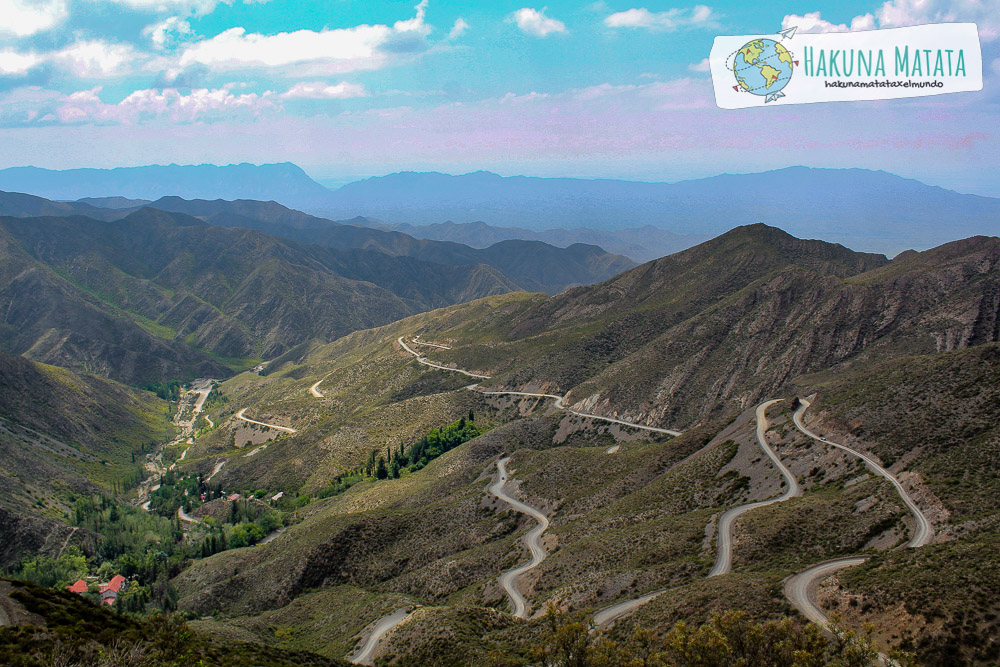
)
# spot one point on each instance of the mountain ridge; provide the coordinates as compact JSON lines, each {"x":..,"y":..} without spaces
{"x":154,"y":295}
{"x":865,"y":209}
{"x":527,"y":264}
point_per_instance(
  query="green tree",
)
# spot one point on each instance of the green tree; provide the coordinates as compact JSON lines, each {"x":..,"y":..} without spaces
{"x":730,"y":639}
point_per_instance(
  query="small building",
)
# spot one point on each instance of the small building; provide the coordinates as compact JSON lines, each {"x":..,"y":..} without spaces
{"x":278,"y":496}
{"x":234,"y":496}
{"x":108,"y":597}
{"x":114,"y":585}
{"x":79,"y":587}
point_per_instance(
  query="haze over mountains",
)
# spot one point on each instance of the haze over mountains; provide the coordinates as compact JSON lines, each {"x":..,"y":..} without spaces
{"x":378,"y":401}
{"x":866,"y":210}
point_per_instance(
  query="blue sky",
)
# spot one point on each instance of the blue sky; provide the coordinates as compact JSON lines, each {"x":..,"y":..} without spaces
{"x":354,"y":89}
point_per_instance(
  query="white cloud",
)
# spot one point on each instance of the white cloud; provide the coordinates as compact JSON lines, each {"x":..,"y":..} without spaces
{"x":12,"y":62}
{"x":456,"y":30}
{"x":141,"y":105}
{"x":93,"y":59}
{"x":234,"y":48}
{"x":167,"y":32}
{"x":336,"y":50}
{"x":96,"y":59}
{"x":196,"y":7}
{"x":513,"y":98}
{"x":898,"y":13}
{"x":317,"y":90}
{"x":671,"y":19}
{"x":535,"y":22}
{"x":22,"y":18}
{"x":700,"y":66}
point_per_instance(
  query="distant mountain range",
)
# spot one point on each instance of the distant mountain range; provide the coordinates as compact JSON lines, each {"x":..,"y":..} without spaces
{"x":282,"y":182}
{"x":531,"y":265}
{"x":149,"y":294}
{"x":639,"y":243}
{"x":865,"y":210}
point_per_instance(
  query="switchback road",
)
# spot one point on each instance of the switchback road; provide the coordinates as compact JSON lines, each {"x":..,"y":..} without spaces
{"x":314,"y":390}
{"x":799,"y":589}
{"x":426,"y":362}
{"x":560,"y":400}
{"x":285,"y":429}
{"x":363,"y":656}
{"x":923,"y":532}
{"x":724,"y":548}
{"x":531,"y":539}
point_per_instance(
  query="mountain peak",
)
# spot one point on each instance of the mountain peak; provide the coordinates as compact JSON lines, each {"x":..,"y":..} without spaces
{"x":283,"y":181}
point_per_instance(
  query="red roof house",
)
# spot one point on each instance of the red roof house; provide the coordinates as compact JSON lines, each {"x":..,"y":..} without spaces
{"x":114,"y":585}
{"x":80,"y":586}
{"x":108,"y":597}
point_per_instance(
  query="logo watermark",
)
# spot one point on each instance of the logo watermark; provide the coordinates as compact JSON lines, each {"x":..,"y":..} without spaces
{"x":790,"y":68}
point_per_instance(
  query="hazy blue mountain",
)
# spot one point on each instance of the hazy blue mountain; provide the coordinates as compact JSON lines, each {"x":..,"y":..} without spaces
{"x":639,"y":243}
{"x":866,"y":210}
{"x":113,"y":202}
{"x":20,"y":205}
{"x":284,"y":182}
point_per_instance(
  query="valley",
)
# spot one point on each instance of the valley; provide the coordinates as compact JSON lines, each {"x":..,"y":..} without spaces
{"x":447,"y":483}
{"x":467,"y":334}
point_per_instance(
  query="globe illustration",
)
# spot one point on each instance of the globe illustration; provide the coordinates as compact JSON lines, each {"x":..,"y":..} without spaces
{"x":762,"y":67}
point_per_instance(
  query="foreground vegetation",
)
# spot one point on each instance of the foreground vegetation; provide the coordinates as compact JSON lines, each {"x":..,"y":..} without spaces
{"x":72,"y":632}
{"x":727,"y":640}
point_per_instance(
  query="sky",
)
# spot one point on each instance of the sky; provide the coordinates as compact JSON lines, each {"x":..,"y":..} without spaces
{"x":347,"y":90}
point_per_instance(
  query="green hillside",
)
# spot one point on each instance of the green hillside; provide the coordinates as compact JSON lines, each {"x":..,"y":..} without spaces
{"x":63,"y":436}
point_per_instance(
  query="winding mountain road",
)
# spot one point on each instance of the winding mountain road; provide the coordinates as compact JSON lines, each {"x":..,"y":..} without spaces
{"x":66,"y":543}
{"x":923,"y":533}
{"x":363,"y":656}
{"x":614,"y":612}
{"x":215,"y":471}
{"x":285,"y":429}
{"x":314,"y":390}
{"x":184,"y":516}
{"x":531,"y":539}
{"x":427,"y":362}
{"x":202,"y":387}
{"x":560,"y":400}
{"x":724,"y":548}
{"x":799,"y":588}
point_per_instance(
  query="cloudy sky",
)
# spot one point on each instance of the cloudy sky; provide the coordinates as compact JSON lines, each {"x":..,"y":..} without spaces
{"x":349,"y":89}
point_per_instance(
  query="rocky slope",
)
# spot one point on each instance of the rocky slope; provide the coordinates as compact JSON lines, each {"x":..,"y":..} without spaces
{"x":731,"y":320}
{"x":158,"y":295}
